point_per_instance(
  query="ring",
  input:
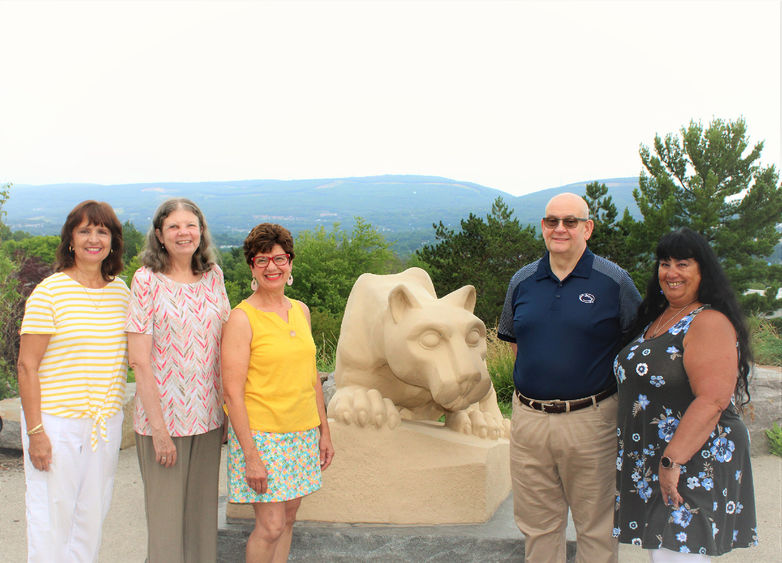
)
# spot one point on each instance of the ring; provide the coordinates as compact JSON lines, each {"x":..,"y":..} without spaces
{"x":162,"y":459}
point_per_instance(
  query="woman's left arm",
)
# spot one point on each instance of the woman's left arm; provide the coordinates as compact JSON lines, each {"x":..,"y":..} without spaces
{"x":326,"y":447}
{"x":711,"y":364}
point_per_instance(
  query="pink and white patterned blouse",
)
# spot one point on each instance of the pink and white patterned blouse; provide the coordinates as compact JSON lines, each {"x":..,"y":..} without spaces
{"x":185,"y":321}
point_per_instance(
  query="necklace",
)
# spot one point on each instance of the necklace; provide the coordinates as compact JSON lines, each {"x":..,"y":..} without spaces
{"x":659,"y":328}
{"x":87,"y":293}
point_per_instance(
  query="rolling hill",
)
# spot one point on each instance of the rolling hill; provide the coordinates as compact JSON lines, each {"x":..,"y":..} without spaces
{"x":393,"y":204}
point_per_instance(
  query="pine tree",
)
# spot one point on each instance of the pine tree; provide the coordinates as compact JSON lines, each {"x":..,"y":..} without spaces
{"x":483,"y":253}
{"x":710,"y":179}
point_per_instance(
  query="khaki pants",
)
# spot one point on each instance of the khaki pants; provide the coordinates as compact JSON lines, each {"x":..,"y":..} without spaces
{"x":181,"y":501}
{"x":559,"y":461}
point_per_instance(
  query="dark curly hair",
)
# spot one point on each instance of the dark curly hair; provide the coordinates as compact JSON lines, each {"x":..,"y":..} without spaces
{"x":95,"y":213}
{"x":714,"y":290}
{"x":263,"y":237}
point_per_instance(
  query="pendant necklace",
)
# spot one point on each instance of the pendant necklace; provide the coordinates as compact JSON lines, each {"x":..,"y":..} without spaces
{"x":658,"y":328}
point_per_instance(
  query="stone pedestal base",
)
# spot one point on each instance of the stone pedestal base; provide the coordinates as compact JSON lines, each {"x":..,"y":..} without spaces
{"x":419,"y":473}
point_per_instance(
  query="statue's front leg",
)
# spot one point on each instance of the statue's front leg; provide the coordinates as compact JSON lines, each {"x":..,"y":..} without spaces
{"x":482,"y":419}
{"x":361,"y":406}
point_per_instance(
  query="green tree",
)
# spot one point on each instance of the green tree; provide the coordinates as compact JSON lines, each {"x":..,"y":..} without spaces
{"x":133,"y":241}
{"x":710,"y":179}
{"x":329,"y":262}
{"x":9,"y":304}
{"x":483,"y":253}
{"x":609,"y":237}
{"x":43,"y":247}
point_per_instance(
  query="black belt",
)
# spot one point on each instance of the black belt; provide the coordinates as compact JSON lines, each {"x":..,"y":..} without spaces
{"x":556,"y":406}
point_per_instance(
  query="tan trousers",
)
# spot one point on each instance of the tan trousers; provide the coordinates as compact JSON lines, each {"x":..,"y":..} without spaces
{"x":181,"y":501}
{"x":559,"y":461}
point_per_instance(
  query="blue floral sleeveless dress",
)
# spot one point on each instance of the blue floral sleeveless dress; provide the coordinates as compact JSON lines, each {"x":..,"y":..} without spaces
{"x":718,"y":512}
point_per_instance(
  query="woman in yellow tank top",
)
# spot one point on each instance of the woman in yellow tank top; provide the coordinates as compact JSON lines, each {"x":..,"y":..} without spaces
{"x":279,"y":439}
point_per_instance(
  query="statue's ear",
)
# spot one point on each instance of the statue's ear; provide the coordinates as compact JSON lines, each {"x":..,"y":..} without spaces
{"x":463,"y":297}
{"x":400,"y":300}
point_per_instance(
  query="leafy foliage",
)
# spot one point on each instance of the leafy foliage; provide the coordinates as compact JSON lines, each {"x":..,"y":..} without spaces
{"x":500,"y":362}
{"x":710,"y":180}
{"x":41,"y":247}
{"x":609,"y":237}
{"x":775,"y":439}
{"x":326,"y":266}
{"x":328,"y":263}
{"x":484,"y":253}
{"x":133,"y":241}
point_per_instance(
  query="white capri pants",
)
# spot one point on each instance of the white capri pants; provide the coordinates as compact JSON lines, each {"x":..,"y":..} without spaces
{"x":67,"y":504}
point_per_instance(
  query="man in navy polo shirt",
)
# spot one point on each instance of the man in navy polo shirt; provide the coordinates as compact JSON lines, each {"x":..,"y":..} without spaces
{"x":564,"y":315}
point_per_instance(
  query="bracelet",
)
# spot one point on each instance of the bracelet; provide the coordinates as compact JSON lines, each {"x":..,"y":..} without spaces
{"x":35,"y":430}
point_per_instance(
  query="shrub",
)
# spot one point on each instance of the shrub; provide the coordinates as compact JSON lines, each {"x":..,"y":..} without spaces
{"x":775,"y":440}
{"x":766,"y":340}
{"x":500,"y":361}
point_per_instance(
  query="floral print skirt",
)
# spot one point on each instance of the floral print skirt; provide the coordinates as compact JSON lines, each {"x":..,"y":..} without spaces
{"x":292,"y":462}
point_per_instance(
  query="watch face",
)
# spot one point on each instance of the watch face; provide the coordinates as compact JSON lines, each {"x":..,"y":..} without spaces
{"x":665,"y":462}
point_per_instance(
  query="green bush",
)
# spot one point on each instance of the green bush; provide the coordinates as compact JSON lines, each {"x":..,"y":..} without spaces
{"x":766,"y":340}
{"x":775,"y":440}
{"x":8,"y":384}
{"x":500,"y":361}
{"x":325,"y":333}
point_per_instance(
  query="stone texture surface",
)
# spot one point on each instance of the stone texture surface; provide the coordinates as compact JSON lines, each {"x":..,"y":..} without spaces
{"x":765,"y":387}
{"x":418,"y":473}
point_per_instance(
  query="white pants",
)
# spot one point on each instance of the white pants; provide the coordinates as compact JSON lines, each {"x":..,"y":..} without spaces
{"x":663,"y":555}
{"x":67,"y":504}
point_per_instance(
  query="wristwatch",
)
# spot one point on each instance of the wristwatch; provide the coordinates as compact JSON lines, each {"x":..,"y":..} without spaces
{"x":668,"y":463}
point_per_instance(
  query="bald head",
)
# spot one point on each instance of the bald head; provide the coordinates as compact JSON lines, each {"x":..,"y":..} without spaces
{"x":567,"y":244}
{"x":571,"y":201}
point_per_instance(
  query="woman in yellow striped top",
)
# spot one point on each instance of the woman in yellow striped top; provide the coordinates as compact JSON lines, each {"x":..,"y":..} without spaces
{"x":72,"y":372}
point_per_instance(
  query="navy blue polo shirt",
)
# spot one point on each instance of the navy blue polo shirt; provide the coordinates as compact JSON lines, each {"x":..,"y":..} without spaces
{"x":567,"y":331}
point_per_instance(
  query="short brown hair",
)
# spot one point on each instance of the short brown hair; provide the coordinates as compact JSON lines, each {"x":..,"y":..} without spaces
{"x":95,"y":213}
{"x":263,"y":237}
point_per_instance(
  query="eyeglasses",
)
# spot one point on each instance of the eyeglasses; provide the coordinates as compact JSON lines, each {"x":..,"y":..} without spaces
{"x":569,"y":222}
{"x":278,"y":259}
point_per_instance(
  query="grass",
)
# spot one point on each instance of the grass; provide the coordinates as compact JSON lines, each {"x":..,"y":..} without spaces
{"x":766,"y":340}
{"x":500,"y":361}
{"x":775,"y":440}
{"x":326,"y":355}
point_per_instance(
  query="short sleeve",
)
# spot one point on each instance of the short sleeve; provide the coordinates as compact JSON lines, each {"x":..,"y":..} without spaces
{"x":222,"y":296}
{"x":505,"y":326}
{"x":39,"y":312}
{"x":629,"y":301}
{"x":140,"y":317}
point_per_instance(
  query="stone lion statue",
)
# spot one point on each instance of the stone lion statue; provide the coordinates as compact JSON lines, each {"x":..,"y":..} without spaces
{"x":404,"y":353}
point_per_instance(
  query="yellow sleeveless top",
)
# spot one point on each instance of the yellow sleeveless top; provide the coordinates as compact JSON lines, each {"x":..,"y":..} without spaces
{"x":279,"y":392}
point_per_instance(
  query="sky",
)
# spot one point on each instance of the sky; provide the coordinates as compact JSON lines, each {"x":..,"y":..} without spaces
{"x":516,"y":95}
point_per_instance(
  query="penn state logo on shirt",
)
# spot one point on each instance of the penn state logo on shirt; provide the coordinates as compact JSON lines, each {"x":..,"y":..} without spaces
{"x":586,"y":298}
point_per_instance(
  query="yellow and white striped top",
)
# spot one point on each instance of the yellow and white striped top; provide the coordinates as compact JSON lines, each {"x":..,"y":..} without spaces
{"x":84,"y":368}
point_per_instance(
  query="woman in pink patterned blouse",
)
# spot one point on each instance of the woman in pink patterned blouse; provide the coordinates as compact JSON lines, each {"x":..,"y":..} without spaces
{"x":177,"y":309}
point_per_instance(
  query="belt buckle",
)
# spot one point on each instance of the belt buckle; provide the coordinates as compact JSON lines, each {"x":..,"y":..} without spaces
{"x":544,"y":405}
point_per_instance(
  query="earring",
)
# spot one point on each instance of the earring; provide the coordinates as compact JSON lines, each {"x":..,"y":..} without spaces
{"x":254,"y":285}
{"x":70,"y":248}
{"x":162,"y":247}
{"x":290,"y":279}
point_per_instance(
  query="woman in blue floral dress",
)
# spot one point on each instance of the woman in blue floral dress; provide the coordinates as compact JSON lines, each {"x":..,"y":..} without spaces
{"x":684,"y":480}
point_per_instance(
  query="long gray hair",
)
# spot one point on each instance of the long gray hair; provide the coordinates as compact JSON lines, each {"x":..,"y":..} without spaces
{"x":154,"y":255}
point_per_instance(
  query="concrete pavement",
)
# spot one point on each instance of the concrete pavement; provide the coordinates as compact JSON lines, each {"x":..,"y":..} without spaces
{"x":124,"y":532}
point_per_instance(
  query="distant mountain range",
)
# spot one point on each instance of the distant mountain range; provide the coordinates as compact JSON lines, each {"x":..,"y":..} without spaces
{"x":396,"y":205}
